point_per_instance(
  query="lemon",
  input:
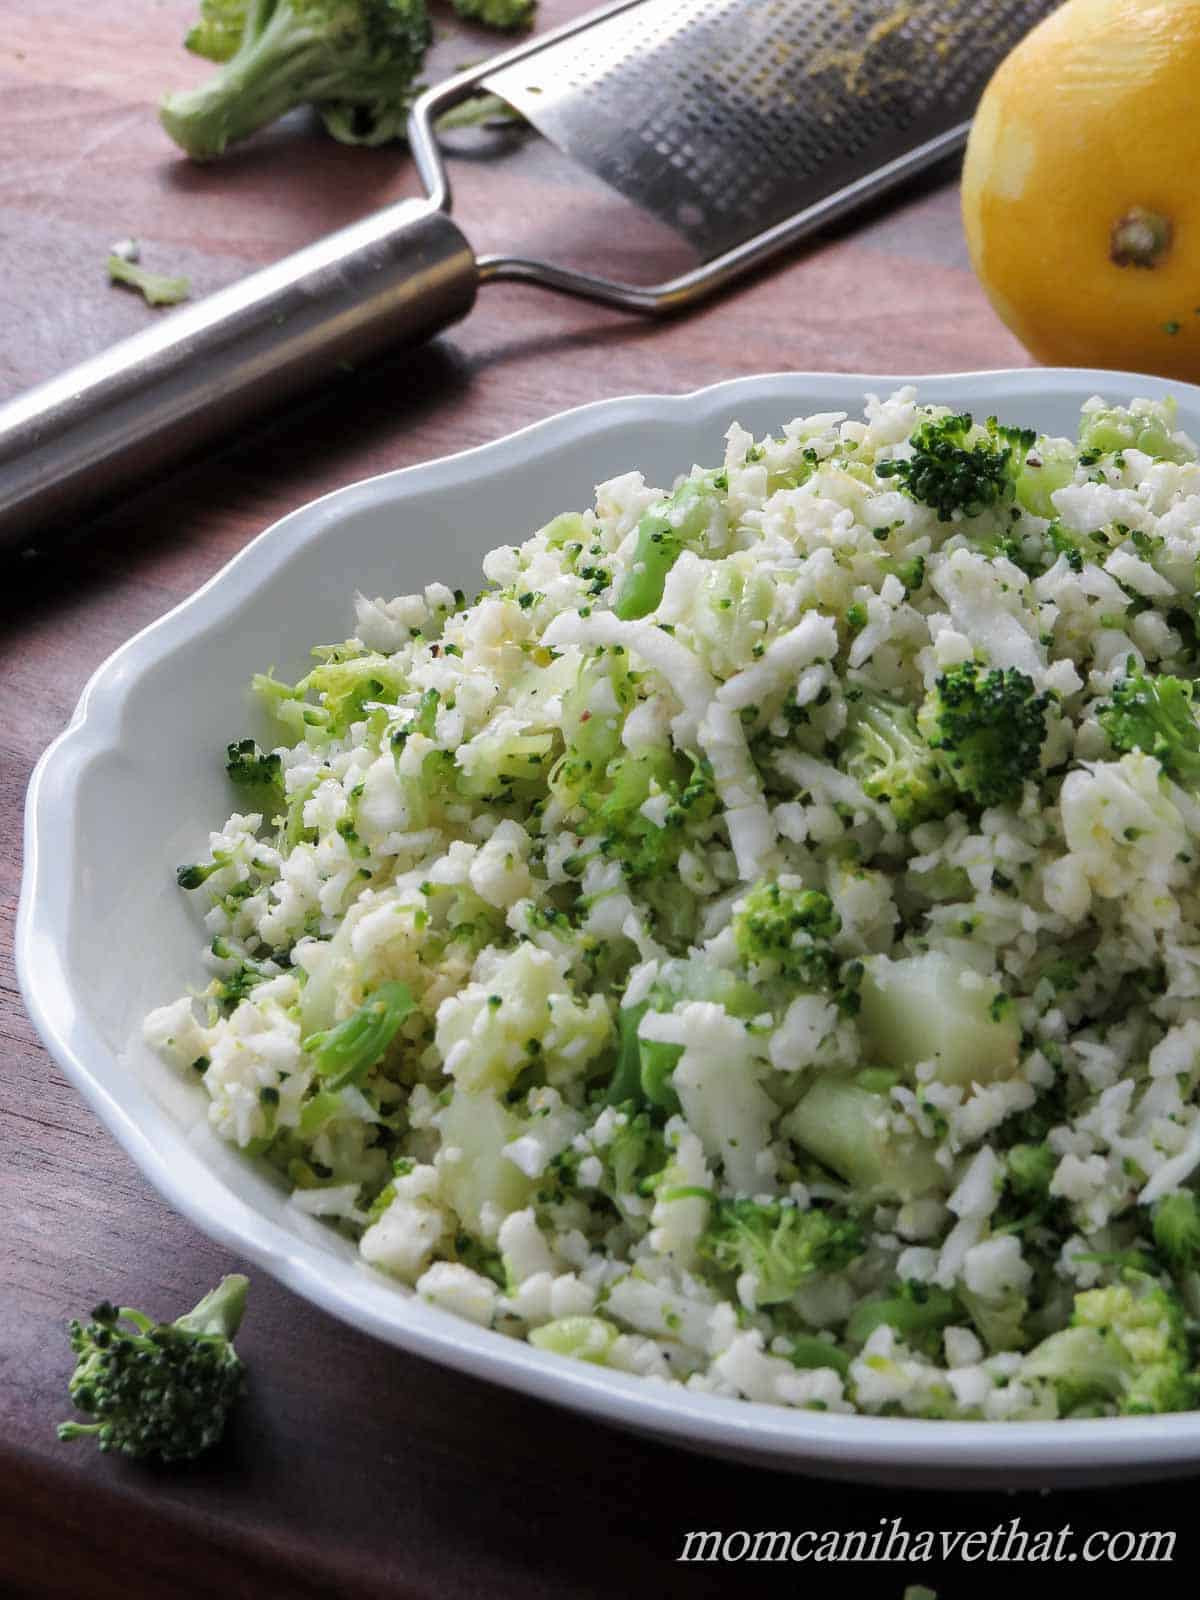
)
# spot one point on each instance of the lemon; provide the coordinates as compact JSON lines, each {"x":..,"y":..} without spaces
{"x":1081,"y":187}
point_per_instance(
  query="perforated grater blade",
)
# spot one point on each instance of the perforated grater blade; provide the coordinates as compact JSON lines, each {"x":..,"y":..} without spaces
{"x":724,"y":117}
{"x":742,"y":124}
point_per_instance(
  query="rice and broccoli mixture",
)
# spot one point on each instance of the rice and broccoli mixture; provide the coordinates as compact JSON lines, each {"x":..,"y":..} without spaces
{"x":756,"y":942}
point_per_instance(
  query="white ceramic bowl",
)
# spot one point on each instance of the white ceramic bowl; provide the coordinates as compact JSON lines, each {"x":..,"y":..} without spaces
{"x":127,"y":790}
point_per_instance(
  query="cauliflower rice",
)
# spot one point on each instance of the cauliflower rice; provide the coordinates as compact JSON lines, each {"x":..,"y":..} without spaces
{"x":653,"y":960}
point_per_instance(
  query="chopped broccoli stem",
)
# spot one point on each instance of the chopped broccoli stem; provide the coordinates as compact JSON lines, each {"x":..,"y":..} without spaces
{"x":155,"y":287}
{"x":662,"y":534}
{"x":219,"y":30}
{"x":917,"y":1311}
{"x":158,"y":1389}
{"x":346,"y":1053}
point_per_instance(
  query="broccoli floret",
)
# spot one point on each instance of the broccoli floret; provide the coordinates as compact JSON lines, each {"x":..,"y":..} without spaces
{"x":1030,"y":1169}
{"x":777,"y":1244}
{"x":507,"y":15}
{"x":1146,"y":425}
{"x":1126,"y":1346}
{"x":636,"y":1153}
{"x":261,"y":775}
{"x":346,"y":1053}
{"x":988,"y":725}
{"x":956,"y":467}
{"x":158,"y":1389}
{"x":917,"y":1311}
{"x":355,"y":60}
{"x":1176,"y":1226}
{"x":791,"y":929}
{"x":884,"y":753}
{"x":1154,"y":714}
{"x":192,"y":876}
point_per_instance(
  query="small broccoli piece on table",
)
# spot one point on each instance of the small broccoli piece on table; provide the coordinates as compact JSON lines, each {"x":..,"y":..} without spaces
{"x":988,"y":726}
{"x":1154,"y":714}
{"x":778,"y":1244}
{"x":956,"y":467}
{"x":158,"y":1388}
{"x":884,"y":753}
{"x":1126,"y":1346}
{"x":791,"y":928}
{"x":355,"y":60}
{"x":155,"y":288}
{"x":506,"y":15}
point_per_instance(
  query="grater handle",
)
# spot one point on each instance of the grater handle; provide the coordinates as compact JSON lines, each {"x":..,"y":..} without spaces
{"x":401,"y":274}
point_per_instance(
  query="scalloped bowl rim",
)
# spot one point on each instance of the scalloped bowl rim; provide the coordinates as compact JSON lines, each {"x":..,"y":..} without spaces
{"x":866,"y":1448}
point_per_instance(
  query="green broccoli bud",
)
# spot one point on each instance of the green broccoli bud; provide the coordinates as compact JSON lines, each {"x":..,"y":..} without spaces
{"x":506,"y":15}
{"x":158,"y":1389}
{"x":791,"y":929}
{"x":1030,"y":1167}
{"x":988,"y":726}
{"x":1146,"y":426}
{"x":1126,"y":1346}
{"x":260,"y":775}
{"x":346,"y":1053}
{"x":957,"y":468}
{"x":191,"y":877}
{"x":911,"y":572}
{"x":1154,"y":714}
{"x":778,"y":1244}
{"x":884,"y":753}
{"x":355,"y":60}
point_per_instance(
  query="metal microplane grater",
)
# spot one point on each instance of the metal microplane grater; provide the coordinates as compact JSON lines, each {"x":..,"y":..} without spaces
{"x":742,"y":124}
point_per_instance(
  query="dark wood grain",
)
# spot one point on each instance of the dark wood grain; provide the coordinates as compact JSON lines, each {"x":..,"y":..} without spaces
{"x":354,"y":1470}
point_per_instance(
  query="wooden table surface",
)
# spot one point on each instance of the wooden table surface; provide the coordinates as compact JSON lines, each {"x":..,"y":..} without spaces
{"x":355,"y":1470}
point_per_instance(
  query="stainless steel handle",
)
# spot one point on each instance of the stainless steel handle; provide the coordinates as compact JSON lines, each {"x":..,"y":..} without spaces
{"x":401,"y":273}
